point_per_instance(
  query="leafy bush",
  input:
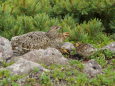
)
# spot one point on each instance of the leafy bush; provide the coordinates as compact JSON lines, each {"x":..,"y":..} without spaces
{"x":18,"y":17}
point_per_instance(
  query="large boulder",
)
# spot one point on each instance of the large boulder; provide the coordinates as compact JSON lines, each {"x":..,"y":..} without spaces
{"x":45,"y":56}
{"x":23,"y":66}
{"x":92,"y":68}
{"x":5,"y":49}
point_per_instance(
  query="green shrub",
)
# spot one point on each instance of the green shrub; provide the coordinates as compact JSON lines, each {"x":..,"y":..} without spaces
{"x":6,"y":79}
{"x":88,"y":32}
{"x":84,"y":20}
{"x":102,"y":56}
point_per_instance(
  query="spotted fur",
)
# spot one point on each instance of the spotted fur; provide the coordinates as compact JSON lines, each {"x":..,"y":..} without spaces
{"x":37,"y":40}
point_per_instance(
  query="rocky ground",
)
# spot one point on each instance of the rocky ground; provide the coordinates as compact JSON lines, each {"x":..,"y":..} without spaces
{"x":50,"y":67}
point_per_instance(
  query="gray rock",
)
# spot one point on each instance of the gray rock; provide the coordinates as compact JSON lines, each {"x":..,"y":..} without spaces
{"x":45,"y":56}
{"x":69,"y":46}
{"x":5,"y":49}
{"x":110,"y":46}
{"x":92,"y":68}
{"x":23,"y":66}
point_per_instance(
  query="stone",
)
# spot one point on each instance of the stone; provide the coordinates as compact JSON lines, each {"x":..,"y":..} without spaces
{"x":45,"y":56}
{"x":92,"y":68}
{"x":5,"y":49}
{"x":68,"y":46}
{"x":23,"y":66}
{"x":110,"y":46}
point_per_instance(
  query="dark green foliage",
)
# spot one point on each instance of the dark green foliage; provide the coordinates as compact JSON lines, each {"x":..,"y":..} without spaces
{"x":112,"y":36}
{"x":85,"y":20}
{"x":112,"y":26}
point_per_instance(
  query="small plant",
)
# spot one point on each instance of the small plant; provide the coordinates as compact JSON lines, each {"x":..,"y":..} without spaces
{"x":36,"y":70}
{"x":6,"y":79}
{"x":102,"y":56}
{"x":5,"y":64}
{"x":45,"y":79}
{"x":76,"y":64}
{"x":106,"y":54}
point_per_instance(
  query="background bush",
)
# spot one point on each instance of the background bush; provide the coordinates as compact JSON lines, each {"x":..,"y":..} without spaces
{"x":86,"y":20}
